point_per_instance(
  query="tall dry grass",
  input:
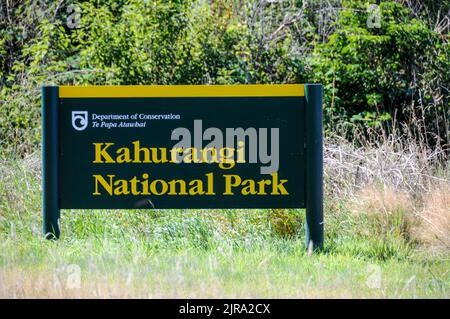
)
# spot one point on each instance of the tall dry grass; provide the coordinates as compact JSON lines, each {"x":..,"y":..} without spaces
{"x":382,"y":200}
{"x":394,"y":183}
{"x":434,"y":227}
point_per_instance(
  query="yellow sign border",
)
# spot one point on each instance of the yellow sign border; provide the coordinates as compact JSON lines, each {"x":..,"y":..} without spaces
{"x":130,"y":91}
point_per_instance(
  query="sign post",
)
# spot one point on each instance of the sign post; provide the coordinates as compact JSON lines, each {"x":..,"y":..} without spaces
{"x":314,"y":165}
{"x":167,"y":147}
{"x":50,"y":162}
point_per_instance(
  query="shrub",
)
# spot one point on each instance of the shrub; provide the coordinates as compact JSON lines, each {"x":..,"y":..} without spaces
{"x":374,"y":76}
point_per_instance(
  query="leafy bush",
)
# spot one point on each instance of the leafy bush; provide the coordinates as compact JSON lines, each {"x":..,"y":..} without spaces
{"x":372,"y":76}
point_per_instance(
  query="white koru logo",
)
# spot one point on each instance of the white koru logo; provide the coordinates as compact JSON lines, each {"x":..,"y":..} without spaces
{"x":79,"y":120}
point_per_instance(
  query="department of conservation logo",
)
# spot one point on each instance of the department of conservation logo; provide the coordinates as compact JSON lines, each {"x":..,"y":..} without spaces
{"x":79,"y":120}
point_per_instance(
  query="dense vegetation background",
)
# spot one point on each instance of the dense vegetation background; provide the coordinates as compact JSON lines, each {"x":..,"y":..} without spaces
{"x":385,"y":68}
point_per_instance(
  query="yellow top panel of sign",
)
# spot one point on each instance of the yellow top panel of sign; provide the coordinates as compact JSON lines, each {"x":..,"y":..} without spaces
{"x":130,"y":91}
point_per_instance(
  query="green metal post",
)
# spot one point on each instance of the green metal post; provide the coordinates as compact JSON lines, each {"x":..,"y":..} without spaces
{"x":314,"y":167}
{"x":50,"y":169}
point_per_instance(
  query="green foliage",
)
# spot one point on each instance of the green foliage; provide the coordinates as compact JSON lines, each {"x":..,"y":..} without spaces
{"x":286,"y":223}
{"x":125,"y":42}
{"x":371,"y":75}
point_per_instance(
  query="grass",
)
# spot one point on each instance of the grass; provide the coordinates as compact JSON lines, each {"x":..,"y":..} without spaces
{"x":374,"y":248}
{"x":272,"y":269}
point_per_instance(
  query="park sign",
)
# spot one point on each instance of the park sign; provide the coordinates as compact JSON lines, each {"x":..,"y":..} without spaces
{"x":183,"y":147}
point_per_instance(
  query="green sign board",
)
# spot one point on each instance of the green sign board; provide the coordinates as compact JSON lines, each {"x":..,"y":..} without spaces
{"x":167,"y":147}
